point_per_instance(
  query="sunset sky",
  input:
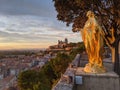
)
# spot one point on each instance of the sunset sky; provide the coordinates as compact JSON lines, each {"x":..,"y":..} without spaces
{"x":31,"y":24}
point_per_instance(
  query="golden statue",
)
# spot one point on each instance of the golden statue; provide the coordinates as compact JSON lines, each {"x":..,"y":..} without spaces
{"x":92,"y":37}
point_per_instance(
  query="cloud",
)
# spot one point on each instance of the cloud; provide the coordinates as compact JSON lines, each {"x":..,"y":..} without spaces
{"x":27,"y":7}
{"x":32,"y":22}
{"x":32,"y":29}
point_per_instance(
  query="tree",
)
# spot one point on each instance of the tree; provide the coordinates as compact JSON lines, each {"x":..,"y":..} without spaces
{"x":27,"y":80}
{"x":80,"y":48}
{"x":33,"y":80}
{"x":108,"y":13}
{"x":49,"y":72}
{"x":60,"y":63}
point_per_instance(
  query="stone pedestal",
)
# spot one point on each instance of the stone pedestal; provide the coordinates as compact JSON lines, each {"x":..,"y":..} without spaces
{"x":90,"y":81}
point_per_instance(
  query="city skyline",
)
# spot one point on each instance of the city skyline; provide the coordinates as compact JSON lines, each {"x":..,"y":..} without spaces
{"x":31,"y":24}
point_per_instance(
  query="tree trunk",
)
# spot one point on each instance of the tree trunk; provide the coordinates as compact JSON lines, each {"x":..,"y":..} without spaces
{"x":117,"y":61}
{"x":113,"y":54}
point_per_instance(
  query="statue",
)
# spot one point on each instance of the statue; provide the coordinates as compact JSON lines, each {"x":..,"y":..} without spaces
{"x":93,"y":40}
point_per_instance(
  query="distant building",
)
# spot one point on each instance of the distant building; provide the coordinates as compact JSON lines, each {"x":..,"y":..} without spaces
{"x":66,"y":40}
{"x":61,"y":44}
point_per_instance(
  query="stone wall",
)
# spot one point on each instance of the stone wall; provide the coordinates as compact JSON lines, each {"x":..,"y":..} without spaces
{"x":105,"y":81}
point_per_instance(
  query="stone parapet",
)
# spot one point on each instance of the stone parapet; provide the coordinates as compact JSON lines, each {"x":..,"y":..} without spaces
{"x":90,"y":81}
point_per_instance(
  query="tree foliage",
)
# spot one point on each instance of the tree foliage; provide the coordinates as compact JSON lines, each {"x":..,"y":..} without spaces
{"x":43,"y":79}
{"x":74,"y":11}
{"x":27,"y":80}
{"x":60,"y":63}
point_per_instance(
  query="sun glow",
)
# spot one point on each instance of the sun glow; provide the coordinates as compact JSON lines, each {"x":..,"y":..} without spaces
{"x":10,"y":46}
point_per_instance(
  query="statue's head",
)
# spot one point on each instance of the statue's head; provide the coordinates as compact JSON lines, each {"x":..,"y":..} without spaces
{"x":90,"y":14}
